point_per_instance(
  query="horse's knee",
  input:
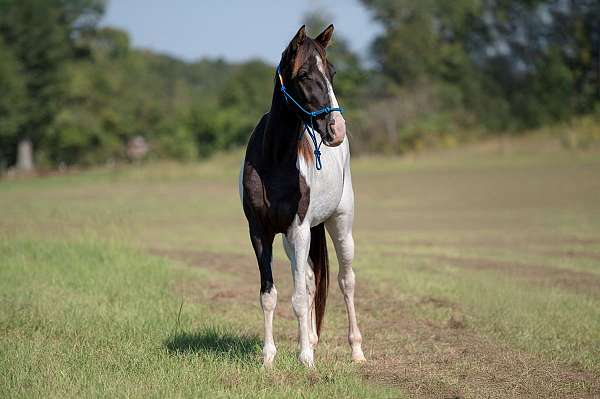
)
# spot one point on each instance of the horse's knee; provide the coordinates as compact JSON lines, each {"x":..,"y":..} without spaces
{"x":268,"y":300}
{"x":300,"y":305}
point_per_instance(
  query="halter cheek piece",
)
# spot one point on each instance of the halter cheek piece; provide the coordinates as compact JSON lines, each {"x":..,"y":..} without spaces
{"x":308,"y":127}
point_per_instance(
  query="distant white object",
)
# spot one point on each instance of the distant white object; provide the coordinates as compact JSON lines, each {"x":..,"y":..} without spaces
{"x":25,"y":156}
{"x":137,"y":148}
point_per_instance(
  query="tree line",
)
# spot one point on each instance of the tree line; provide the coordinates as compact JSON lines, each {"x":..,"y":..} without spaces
{"x":77,"y":92}
{"x":484,"y":66}
{"x":73,"y":92}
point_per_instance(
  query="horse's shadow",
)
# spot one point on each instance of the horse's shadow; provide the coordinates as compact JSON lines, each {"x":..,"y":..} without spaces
{"x":215,"y":341}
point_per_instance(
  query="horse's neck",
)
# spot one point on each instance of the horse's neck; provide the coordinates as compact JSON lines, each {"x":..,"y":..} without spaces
{"x":280,"y":145}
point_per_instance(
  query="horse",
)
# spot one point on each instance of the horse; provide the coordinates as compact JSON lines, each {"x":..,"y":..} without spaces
{"x":285,"y":187}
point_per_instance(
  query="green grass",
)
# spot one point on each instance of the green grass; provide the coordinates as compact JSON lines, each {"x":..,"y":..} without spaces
{"x":530,"y":212}
{"x":96,"y":319}
{"x":507,"y":234}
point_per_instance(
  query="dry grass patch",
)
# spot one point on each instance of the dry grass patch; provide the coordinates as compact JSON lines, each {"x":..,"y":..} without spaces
{"x":423,"y":356}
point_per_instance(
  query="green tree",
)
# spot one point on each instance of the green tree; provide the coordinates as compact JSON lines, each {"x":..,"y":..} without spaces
{"x":243,"y":99}
{"x":12,"y":113}
{"x":42,"y":34}
{"x":514,"y":64}
{"x":422,"y":38}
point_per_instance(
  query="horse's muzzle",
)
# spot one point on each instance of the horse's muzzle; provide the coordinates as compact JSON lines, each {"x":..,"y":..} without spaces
{"x":336,"y":130}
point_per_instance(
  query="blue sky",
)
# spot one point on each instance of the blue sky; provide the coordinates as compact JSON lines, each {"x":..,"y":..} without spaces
{"x":233,"y":29}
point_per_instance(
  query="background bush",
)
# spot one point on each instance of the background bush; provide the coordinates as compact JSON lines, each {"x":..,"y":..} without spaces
{"x":444,"y":72}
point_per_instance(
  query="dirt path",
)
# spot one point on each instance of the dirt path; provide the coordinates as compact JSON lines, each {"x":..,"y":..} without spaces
{"x":573,"y":280}
{"x":426,"y":359}
{"x":436,"y":360}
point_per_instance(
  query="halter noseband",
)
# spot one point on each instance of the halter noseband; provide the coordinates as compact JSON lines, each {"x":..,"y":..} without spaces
{"x":311,"y":115}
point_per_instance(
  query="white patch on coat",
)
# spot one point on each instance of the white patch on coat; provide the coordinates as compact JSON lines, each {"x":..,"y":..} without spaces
{"x":332,"y":98}
{"x":339,"y":121}
{"x":339,"y":126}
{"x":268,"y":302}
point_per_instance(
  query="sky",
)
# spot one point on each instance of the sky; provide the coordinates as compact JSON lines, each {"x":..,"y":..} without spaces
{"x":236,"y":30}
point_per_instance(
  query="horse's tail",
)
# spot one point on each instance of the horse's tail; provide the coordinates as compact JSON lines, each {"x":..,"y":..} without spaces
{"x":320,"y":261}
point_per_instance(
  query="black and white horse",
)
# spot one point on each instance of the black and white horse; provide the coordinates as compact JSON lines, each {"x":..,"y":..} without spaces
{"x":284,"y":189}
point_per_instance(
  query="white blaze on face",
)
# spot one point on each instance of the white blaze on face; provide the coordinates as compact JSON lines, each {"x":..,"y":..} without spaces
{"x":339,"y":126}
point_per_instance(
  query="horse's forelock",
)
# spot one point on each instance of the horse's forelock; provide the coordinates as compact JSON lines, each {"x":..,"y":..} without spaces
{"x":308,"y":48}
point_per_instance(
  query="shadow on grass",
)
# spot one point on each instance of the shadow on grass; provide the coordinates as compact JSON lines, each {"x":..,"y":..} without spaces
{"x":216,"y":341}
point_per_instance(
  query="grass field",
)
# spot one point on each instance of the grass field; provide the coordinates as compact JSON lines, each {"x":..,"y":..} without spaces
{"x":478,"y":276}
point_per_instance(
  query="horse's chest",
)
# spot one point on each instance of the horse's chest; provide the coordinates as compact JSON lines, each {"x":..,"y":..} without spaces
{"x":326,"y":189}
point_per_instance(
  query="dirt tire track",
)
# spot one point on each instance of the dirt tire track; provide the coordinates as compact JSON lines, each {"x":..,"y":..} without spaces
{"x":426,"y":359}
{"x":433,"y":360}
{"x":573,"y":280}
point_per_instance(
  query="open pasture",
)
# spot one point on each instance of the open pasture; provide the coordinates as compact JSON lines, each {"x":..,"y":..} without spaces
{"x":478,"y":275}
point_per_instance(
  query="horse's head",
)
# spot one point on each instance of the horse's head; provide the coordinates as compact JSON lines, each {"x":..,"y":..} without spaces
{"x":308,"y":77}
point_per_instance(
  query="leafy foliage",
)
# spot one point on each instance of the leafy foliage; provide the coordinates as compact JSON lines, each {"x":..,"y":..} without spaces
{"x":87,"y":92}
{"x":516,"y":64}
{"x":12,"y":99}
{"x":442,"y":72}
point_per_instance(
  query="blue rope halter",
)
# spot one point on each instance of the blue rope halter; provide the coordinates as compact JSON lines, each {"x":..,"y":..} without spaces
{"x":311,"y":115}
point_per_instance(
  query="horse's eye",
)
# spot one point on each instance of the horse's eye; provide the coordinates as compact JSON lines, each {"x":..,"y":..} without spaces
{"x":303,"y":76}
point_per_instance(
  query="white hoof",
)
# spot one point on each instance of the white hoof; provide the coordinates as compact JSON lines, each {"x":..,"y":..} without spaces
{"x":358,"y":355}
{"x":268,"y":356}
{"x":307,"y":358}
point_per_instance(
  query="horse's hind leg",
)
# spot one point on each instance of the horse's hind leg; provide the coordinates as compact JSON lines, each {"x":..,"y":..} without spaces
{"x":340,"y":230}
{"x":263,"y":248}
{"x":310,"y":290}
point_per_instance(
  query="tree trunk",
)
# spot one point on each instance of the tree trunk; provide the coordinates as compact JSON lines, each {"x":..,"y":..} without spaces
{"x":25,"y":155}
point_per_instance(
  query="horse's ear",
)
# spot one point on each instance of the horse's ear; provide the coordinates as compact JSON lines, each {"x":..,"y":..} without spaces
{"x":325,"y":37}
{"x":298,"y":39}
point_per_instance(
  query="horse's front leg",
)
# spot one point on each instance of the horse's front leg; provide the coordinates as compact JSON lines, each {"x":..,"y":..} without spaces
{"x":311,"y":291}
{"x":311,"y":288}
{"x":263,"y":248}
{"x":299,"y":238}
